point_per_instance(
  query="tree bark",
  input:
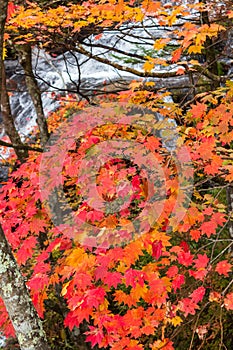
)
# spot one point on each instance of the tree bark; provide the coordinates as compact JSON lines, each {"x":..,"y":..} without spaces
{"x":3,"y":15}
{"x":25,"y":59}
{"x":13,"y":291}
{"x":210,"y":52}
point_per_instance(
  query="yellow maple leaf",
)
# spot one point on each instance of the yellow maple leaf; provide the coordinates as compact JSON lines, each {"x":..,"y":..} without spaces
{"x":175,"y":321}
{"x":150,"y":83}
{"x":148,"y":66}
{"x":138,"y":292}
{"x":213,"y":29}
{"x":64,"y":288}
{"x":4,"y":52}
{"x":229,"y":176}
{"x":161,"y":43}
{"x":75,"y":257}
{"x":195,"y":49}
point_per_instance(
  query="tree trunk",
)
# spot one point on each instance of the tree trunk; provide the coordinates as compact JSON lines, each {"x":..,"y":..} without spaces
{"x":14,"y":293}
{"x":3,"y":15}
{"x":4,"y":99}
{"x":8,"y":120}
{"x":25,"y":59}
{"x":210,"y":52}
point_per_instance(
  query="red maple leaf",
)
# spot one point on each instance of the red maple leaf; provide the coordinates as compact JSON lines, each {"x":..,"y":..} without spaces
{"x":201,"y":261}
{"x":172,"y":271}
{"x":188,"y":306}
{"x":223,"y":267}
{"x":10,"y":10}
{"x":185,"y":259}
{"x":157,"y":249}
{"x":195,"y":234}
{"x":208,"y":228}
{"x":112,"y":279}
{"x":26,"y":250}
{"x":185,"y":246}
{"x":94,"y":335}
{"x":198,"y":294}
{"x":177,"y":282}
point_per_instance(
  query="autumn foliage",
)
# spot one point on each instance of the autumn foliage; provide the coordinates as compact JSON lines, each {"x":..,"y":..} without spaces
{"x":132,"y":276}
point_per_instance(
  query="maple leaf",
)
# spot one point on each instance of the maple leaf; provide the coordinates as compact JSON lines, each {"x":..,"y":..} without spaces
{"x":198,"y":294}
{"x":138,"y":292}
{"x":195,"y":49}
{"x":134,"y":276}
{"x":208,"y":228}
{"x":38,"y":225}
{"x":213,"y":167}
{"x":199,"y":274}
{"x":38,"y":301}
{"x":201,"y":261}
{"x":175,"y":321}
{"x":26,"y":249}
{"x":198,"y":110}
{"x":223,"y":268}
{"x":148,"y":329}
{"x":94,"y":335}
{"x":228,"y":301}
{"x":10,"y":10}
{"x":112,"y":279}
{"x":164,"y":344}
{"x":97,"y":37}
{"x":229,"y":176}
{"x":195,"y":234}
{"x":188,"y":306}
{"x":122,"y":297}
{"x":148,"y":66}
{"x":180,"y":71}
{"x":215,"y":296}
{"x":176,"y":55}
{"x":185,"y":246}
{"x":172,"y":271}
{"x":157,"y":249}
{"x":151,"y":7}
{"x":178,"y":281}
{"x":185,"y":259}
{"x":160,"y":43}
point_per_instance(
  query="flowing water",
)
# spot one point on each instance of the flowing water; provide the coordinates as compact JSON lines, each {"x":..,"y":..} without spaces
{"x":73,"y":71}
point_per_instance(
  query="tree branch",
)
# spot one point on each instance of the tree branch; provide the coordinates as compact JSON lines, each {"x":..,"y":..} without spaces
{"x":23,"y":146}
{"x":170,"y":74}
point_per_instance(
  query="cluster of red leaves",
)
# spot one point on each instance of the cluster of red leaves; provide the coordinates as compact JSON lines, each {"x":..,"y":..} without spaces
{"x":125,"y":292}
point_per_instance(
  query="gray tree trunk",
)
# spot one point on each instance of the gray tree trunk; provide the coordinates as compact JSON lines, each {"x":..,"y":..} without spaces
{"x":3,"y":14}
{"x":25,"y":59}
{"x":14,"y":293}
